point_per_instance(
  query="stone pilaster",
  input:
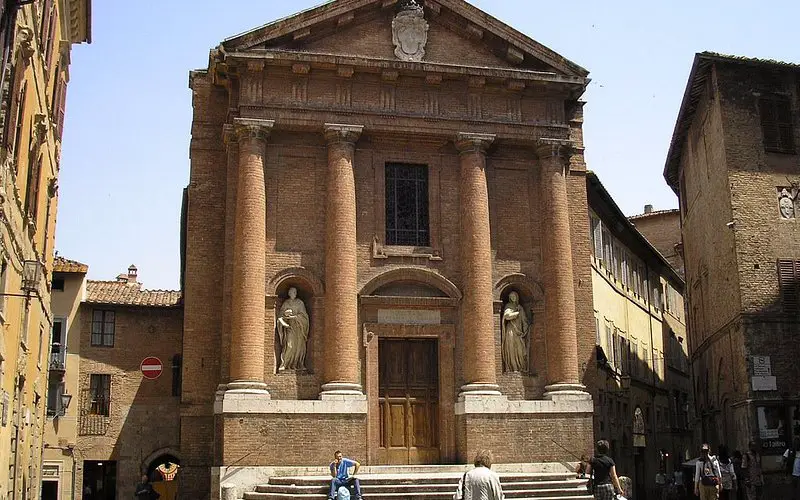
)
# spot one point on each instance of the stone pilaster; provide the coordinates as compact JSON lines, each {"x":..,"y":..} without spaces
{"x":559,"y":287}
{"x":476,"y":261}
{"x":341,"y":367}
{"x":249,"y":266}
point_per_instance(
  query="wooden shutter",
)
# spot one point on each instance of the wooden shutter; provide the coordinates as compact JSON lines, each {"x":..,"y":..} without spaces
{"x":776,"y":123}
{"x":61,"y":106}
{"x":787,"y":278}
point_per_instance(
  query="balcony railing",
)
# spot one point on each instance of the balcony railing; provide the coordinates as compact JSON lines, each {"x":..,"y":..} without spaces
{"x":58,"y":356}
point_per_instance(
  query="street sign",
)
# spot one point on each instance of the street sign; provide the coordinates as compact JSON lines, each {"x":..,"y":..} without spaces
{"x":151,"y":367}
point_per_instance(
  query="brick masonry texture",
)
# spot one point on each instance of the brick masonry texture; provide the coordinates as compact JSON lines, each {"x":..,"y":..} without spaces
{"x":324,"y":221}
{"x":734,"y":309}
{"x":144,"y":415}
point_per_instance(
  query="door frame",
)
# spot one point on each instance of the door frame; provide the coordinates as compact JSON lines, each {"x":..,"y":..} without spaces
{"x":445,"y":335}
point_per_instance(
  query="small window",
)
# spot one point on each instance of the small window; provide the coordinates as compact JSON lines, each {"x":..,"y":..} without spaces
{"x":788,"y":271}
{"x":100,"y":394}
{"x":103,"y":328}
{"x":776,"y":123}
{"x":407,"y":205}
{"x":57,"y":285}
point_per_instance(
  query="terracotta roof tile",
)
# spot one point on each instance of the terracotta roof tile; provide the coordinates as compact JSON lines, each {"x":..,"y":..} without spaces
{"x":62,"y":265}
{"x":129,"y":294}
{"x":654,"y":212}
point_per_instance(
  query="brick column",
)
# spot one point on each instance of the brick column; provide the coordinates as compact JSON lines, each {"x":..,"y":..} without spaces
{"x":477,"y":313}
{"x":559,"y":287}
{"x":341,"y":367}
{"x":249,"y":267}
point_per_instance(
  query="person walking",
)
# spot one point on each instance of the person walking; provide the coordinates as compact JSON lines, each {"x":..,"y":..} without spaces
{"x":791,"y":462}
{"x":481,"y":483}
{"x":145,"y":491}
{"x":751,"y":471}
{"x":737,"y":468}
{"x":728,"y":476}
{"x":603,"y":472}
{"x":707,"y":475}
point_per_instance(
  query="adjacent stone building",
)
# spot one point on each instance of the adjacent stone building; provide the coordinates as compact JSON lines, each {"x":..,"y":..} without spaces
{"x":643,"y":371}
{"x":37,"y":40}
{"x":120,"y":423}
{"x":386,"y":246}
{"x":662,"y":228}
{"x":733,"y":162}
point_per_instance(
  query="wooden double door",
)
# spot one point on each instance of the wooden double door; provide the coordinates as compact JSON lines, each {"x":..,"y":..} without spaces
{"x":408,"y":398}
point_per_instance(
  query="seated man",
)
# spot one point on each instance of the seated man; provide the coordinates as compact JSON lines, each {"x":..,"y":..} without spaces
{"x":341,"y":475}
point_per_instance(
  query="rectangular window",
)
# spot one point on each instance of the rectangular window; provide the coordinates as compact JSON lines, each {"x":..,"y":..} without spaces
{"x":407,"y":205}
{"x":597,"y":238}
{"x":776,"y":123}
{"x":788,"y":272}
{"x":57,"y":285}
{"x":58,"y":346}
{"x":21,"y":97}
{"x":606,"y":249}
{"x":100,"y":394}
{"x":103,"y":328}
{"x":634,"y":360}
{"x":55,"y":389}
{"x":609,"y":343}
{"x":32,"y":187}
{"x":597,"y":331}
{"x":616,"y":349}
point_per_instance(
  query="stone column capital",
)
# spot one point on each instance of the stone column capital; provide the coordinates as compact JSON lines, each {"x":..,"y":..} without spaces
{"x":338,"y":133}
{"x":250,"y":128}
{"x":553,"y":148}
{"x":473,"y":143}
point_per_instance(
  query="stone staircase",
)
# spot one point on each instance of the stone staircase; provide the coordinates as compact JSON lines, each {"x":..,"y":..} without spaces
{"x":433,"y":482}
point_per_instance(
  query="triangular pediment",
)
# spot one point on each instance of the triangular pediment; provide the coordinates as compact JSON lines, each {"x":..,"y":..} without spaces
{"x":457,"y":33}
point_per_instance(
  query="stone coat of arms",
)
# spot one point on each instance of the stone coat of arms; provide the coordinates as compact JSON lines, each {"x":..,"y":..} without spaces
{"x":410,"y":32}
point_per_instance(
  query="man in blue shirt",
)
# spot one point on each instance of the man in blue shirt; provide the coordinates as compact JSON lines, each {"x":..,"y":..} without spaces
{"x":341,"y":475}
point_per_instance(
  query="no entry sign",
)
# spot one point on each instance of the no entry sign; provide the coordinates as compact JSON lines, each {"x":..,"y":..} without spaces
{"x":151,"y":367}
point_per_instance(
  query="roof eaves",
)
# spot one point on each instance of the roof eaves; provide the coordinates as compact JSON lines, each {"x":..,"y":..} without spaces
{"x":594,"y":181}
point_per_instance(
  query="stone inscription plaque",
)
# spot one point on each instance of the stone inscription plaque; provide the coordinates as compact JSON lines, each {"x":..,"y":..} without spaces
{"x":409,"y":316}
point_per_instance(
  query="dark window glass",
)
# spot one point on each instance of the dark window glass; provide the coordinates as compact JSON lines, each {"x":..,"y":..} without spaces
{"x":407,"y":205}
{"x":58,"y":284}
{"x":103,"y":328}
{"x":776,"y":123}
{"x":100,"y":394}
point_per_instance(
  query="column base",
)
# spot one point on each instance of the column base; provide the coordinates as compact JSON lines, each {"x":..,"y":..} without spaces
{"x":341,"y":390}
{"x":478,"y":389}
{"x":246,"y":387}
{"x":566,"y":391}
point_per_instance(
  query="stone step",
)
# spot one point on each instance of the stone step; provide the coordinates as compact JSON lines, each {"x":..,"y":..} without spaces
{"x":426,"y":486}
{"x":430,"y":478}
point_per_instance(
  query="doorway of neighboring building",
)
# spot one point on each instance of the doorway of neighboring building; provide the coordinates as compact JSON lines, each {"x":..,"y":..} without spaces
{"x":49,"y":490}
{"x":99,"y":480}
{"x":408,"y":398}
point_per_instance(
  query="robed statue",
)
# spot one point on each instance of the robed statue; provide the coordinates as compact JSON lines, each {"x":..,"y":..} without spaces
{"x":514,"y":329}
{"x":292,"y":326}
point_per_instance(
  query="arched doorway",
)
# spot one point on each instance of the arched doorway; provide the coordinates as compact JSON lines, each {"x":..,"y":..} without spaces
{"x":165,"y":484}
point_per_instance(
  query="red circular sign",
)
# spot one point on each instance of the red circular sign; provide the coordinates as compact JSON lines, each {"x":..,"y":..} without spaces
{"x":151,"y":367}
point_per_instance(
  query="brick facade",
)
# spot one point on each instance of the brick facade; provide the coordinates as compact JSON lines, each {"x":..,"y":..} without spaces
{"x":486,"y":118}
{"x":729,"y":181}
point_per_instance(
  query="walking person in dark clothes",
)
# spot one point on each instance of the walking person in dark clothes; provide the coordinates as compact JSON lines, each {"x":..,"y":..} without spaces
{"x":145,"y":491}
{"x":604,"y":472}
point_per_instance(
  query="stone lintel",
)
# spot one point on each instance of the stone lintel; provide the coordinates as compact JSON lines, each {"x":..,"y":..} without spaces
{"x":337,"y":132}
{"x":257,"y":404}
{"x":481,"y":405}
{"x":550,"y":148}
{"x":470,"y":143}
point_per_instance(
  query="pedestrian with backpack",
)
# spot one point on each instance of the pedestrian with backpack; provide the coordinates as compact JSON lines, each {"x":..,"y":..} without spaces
{"x":707,"y":475}
{"x":791,"y":463}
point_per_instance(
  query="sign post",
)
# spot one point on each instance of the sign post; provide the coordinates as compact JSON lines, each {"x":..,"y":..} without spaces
{"x":151,"y":367}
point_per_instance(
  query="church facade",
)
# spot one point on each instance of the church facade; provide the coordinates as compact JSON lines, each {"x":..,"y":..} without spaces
{"x":386,"y":246}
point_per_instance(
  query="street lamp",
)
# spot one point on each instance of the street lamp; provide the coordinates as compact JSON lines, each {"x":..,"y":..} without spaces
{"x":66,"y":399}
{"x":31,"y":275}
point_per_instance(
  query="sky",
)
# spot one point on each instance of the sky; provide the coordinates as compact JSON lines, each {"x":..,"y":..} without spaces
{"x":125,"y":152}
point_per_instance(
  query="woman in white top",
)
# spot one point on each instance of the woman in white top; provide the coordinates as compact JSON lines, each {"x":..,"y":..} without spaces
{"x":728,"y":478}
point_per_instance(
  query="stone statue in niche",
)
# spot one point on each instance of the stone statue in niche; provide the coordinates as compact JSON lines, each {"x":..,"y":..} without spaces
{"x":786,"y":203}
{"x":514,"y":329}
{"x":292,"y":325}
{"x":410,"y":32}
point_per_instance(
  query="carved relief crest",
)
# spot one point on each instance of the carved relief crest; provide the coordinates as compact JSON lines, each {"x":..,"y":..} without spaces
{"x":410,"y":32}
{"x":786,"y":202}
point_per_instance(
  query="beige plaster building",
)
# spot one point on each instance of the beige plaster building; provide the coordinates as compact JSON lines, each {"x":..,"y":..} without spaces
{"x":403,"y":167}
{"x":643,"y":380}
{"x":31,"y":122}
{"x":733,"y":161}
